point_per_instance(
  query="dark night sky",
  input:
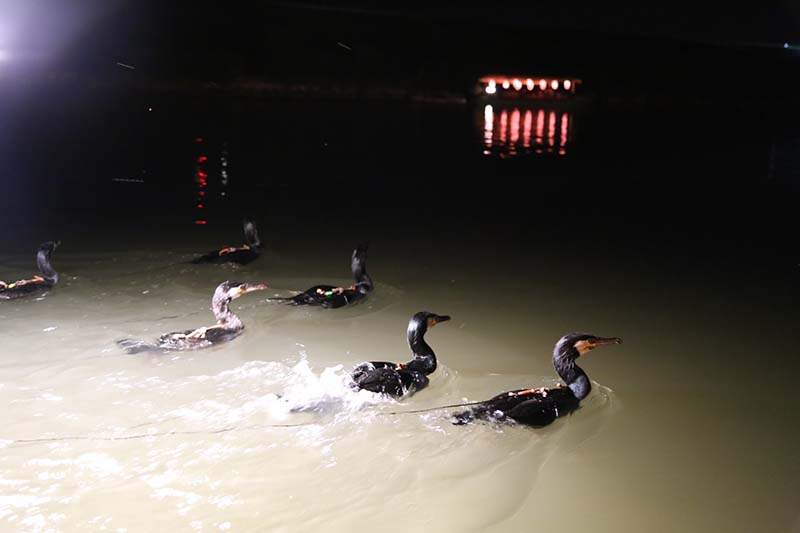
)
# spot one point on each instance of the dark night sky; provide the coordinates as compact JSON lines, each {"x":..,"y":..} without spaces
{"x":211,"y":39}
{"x":718,"y":23}
{"x":36,"y":22}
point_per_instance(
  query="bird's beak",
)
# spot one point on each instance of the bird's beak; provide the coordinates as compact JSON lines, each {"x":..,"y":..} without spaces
{"x":585,"y":346}
{"x":244,"y":288}
{"x":602,"y":341}
{"x":435,"y":319}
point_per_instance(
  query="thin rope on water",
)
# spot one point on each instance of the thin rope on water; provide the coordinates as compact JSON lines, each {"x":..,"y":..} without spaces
{"x":437,"y":408}
{"x":227,"y":429}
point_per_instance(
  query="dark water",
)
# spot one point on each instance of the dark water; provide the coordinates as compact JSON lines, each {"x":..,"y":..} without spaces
{"x":673,"y":229}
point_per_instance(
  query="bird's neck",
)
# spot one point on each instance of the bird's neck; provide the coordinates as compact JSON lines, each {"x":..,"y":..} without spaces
{"x":574,"y":377}
{"x":47,"y":270}
{"x":225,"y":317}
{"x":363,"y":281}
{"x":251,"y":236}
{"x":424,"y":358}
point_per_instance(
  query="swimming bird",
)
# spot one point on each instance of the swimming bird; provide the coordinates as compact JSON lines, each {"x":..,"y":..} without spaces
{"x":541,"y":406}
{"x":402,"y":379}
{"x":36,"y":284}
{"x":228,"y":325}
{"x":242,"y":255}
{"x":329,"y":296}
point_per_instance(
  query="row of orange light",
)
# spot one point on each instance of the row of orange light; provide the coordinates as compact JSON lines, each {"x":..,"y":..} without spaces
{"x":517,"y":83}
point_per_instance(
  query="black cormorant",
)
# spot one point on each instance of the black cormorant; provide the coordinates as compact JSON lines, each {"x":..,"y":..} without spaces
{"x":329,"y":296}
{"x":402,"y":379}
{"x":242,"y":255}
{"x":37,"y":284}
{"x":539,"y":407}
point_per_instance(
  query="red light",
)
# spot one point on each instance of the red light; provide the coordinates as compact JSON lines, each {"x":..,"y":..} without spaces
{"x":199,"y":206}
{"x":554,"y":84}
{"x":506,"y":84}
{"x":526,"y":131}
{"x":201,"y":159}
{"x":515,"y":115}
{"x":517,"y":84}
{"x":488,"y":128}
{"x":543,"y":84}
{"x":567,"y":84}
{"x":551,"y":128}
{"x":202,"y":193}
{"x":200,"y":222}
{"x":539,"y":126}
{"x":199,"y":140}
{"x":202,"y":174}
{"x":529,"y":83}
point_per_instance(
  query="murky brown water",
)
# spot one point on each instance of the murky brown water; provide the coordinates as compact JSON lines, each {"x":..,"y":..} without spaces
{"x":692,"y":424}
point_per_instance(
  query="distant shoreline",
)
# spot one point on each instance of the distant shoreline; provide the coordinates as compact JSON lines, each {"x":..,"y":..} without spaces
{"x":72,"y":85}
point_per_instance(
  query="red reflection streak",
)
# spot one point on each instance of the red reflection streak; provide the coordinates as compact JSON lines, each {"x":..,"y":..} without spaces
{"x":488,"y":126}
{"x":200,"y":179}
{"x":564,"y":129}
{"x":539,"y":126}
{"x":503,"y":125}
{"x":526,"y":129}
{"x":551,"y":128}
{"x":515,"y":126}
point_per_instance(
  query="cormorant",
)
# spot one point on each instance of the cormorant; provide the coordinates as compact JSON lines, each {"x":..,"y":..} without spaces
{"x":329,"y":296}
{"x":36,"y":284}
{"x":242,"y":255}
{"x":402,"y":379}
{"x":539,"y":407}
{"x":227,"y":327}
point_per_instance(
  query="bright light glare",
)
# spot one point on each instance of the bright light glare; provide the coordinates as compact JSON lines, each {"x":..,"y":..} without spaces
{"x":491,"y":89}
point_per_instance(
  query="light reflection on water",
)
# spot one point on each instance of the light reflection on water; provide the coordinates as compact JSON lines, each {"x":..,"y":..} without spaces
{"x":509,"y":131}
